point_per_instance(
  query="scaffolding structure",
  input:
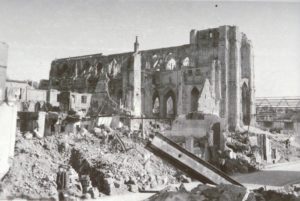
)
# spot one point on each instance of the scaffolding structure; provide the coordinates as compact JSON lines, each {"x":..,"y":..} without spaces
{"x":277,"y":109}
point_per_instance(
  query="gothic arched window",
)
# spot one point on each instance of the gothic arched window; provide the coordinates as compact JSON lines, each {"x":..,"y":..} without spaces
{"x":171,"y":65}
{"x":186,"y":62}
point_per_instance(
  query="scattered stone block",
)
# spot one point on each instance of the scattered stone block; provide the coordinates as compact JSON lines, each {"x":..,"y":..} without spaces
{"x":28,"y":135}
{"x":133,"y":188}
{"x":94,"y":192}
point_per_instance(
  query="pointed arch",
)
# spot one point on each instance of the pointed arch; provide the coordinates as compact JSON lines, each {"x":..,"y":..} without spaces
{"x":170,"y":109}
{"x":155,"y":104}
{"x":37,"y":106}
{"x":171,"y":65}
{"x":186,"y":62}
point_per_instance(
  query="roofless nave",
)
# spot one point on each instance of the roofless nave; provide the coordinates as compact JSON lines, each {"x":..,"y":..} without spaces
{"x":214,"y":73}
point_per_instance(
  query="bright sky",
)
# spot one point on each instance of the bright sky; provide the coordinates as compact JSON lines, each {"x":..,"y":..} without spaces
{"x":39,"y":31}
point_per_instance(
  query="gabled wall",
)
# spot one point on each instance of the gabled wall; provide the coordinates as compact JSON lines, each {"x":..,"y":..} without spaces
{"x":207,"y":102}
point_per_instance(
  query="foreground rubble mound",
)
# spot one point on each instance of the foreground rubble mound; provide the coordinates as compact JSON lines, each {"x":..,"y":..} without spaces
{"x":113,"y":171}
{"x":223,"y":192}
{"x":205,"y":192}
{"x":239,"y":154}
{"x":33,"y":171}
{"x":34,"y":167}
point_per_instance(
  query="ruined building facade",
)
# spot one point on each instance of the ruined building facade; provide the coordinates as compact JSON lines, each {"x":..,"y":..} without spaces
{"x":212,"y":74}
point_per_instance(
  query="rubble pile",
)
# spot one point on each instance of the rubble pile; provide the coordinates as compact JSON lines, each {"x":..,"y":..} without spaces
{"x":222,"y":192}
{"x":239,"y":154}
{"x":33,"y":169}
{"x":243,"y":153}
{"x":278,"y":195}
{"x":36,"y":162}
{"x":113,"y":171}
{"x":205,"y":192}
{"x":285,"y":146}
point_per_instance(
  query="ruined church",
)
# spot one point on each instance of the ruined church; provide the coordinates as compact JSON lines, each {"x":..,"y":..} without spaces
{"x":213,"y":74}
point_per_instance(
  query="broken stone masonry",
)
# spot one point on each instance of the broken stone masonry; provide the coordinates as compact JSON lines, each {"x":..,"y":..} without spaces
{"x":223,"y":192}
{"x":212,"y":74}
{"x":96,"y":167}
{"x":99,"y":112}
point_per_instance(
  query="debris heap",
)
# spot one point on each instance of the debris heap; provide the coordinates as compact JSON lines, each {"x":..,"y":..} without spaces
{"x":223,"y":192}
{"x":36,"y":162}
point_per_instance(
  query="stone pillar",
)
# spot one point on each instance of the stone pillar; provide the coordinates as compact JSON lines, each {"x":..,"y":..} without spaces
{"x":218,"y":80}
{"x":248,"y":73}
{"x":252,"y":85}
{"x":189,"y":143}
{"x":180,"y":95}
{"x":223,"y":58}
{"x":234,"y":77}
{"x":162,"y":106}
{"x":3,"y":66}
{"x":137,"y":81}
{"x":213,"y":77}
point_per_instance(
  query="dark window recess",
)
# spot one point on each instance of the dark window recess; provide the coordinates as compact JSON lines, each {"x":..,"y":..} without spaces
{"x":268,"y":124}
{"x":83,"y":99}
{"x":198,"y":72}
{"x":190,"y":72}
{"x":288,"y":125}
